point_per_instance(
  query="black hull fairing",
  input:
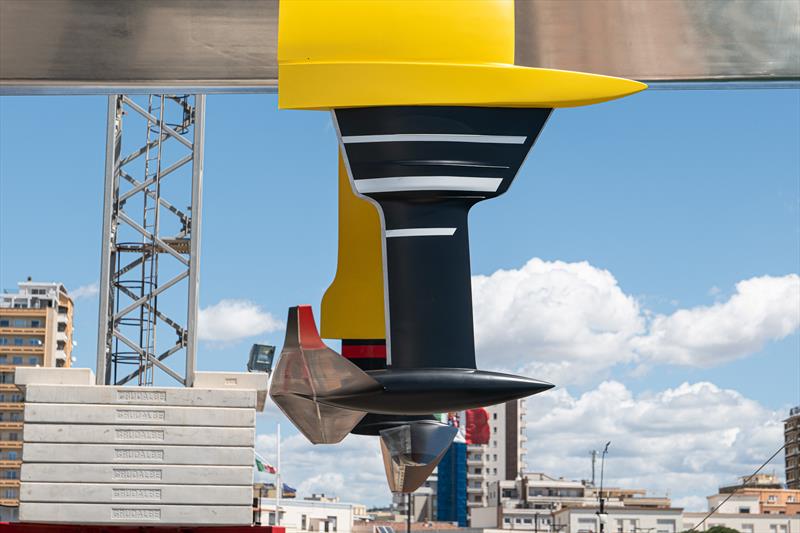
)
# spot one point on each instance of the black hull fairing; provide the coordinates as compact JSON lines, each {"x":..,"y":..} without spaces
{"x":425,"y":167}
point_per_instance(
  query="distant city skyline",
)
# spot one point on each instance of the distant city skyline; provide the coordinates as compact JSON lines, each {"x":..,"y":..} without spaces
{"x":645,"y":261}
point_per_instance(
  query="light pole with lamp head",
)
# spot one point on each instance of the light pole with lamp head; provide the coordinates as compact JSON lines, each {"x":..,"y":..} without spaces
{"x":601,"y":514}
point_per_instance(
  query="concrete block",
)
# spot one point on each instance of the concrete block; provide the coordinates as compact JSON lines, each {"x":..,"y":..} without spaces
{"x":136,"y":493}
{"x":235,"y":380}
{"x":137,"y":474}
{"x":38,"y":452}
{"x":28,"y":375}
{"x":128,"y":434}
{"x":64,"y":413}
{"x":120,"y":513}
{"x":96,"y":394}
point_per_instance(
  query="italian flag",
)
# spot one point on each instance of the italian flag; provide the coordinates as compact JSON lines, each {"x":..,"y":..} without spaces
{"x":264,"y":466}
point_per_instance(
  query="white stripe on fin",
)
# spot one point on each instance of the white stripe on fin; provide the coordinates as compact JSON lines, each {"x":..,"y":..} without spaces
{"x":434,"y":137}
{"x":427,"y":183}
{"x":420,"y":232}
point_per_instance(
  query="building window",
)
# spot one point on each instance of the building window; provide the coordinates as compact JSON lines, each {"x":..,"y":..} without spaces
{"x":35,"y":342}
{"x":744,"y":510}
{"x":17,"y":360}
{"x":772,"y":498}
{"x":11,"y":494}
{"x":4,"y":323}
{"x":33,"y":361}
{"x":3,"y":341}
{"x":506,"y":520}
{"x":18,"y":341}
{"x":13,"y":436}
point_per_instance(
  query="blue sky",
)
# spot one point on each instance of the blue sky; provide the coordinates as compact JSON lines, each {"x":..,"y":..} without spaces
{"x":678,"y":195}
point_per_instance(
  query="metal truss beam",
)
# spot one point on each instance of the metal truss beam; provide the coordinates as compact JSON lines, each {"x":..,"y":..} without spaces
{"x":149,"y":246}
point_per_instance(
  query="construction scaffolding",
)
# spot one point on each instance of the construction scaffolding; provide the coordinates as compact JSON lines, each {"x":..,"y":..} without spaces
{"x":151,"y":238}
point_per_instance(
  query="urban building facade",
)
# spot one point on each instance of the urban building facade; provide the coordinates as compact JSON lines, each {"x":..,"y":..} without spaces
{"x":791,"y":432}
{"x":312,"y":515}
{"x":503,"y":458}
{"x":35,"y":330}
{"x":766,"y":490}
{"x":531,"y":501}
{"x":618,"y":520}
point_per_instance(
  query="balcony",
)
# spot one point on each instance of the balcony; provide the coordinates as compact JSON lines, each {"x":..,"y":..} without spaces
{"x":8,"y":387}
{"x":22,"y":331}
{"x":8,"y":502}
{"x":12,"y":424}
{"x":6,"y":483}
{"x":10,"y":444}
{"x":8,"y":463}
{"x":12,"y":406}
{"x":22,"y":350}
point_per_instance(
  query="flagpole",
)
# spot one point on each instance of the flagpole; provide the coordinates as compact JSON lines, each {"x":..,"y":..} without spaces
{"x":278,"y":486}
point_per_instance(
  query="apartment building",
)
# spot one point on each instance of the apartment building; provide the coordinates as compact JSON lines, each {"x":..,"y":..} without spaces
{"x":503,"y":458}
{"x":532,"y":501}
{"x":35,"y":330}
{"x":791,"y":432}
{"x":765,"y":490}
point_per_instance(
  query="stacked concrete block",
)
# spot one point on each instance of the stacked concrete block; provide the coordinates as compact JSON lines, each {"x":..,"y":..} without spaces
{"x":123,"y":455}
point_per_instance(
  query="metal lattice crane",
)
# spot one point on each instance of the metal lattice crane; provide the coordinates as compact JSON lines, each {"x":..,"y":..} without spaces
{"x":151,"y":242}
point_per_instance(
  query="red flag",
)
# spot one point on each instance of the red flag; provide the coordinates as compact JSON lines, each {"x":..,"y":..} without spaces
{"x":478,"y":426}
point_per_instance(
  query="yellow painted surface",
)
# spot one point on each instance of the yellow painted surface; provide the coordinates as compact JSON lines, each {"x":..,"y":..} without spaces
{"x":343,"y":31}
{"x":354,"y":53}
{"x":384,"y":84}
{"x":352,"y":307}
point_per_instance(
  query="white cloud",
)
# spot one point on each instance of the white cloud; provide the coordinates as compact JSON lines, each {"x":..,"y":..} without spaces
{"x":563,"y":318}
{"x":85,"y":291}
{"x":230,"y":320}
{"x":762,"y":309}
{"x":664,"y":441}
{"x":572,"y":322}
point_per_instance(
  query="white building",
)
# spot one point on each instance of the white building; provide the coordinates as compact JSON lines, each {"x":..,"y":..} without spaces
{"x":745,"y":522}
{"x":311,"y":515}
{"x":619,"y":520}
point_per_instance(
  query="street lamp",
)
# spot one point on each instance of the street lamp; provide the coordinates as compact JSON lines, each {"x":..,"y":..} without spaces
{"x":601,"y":514}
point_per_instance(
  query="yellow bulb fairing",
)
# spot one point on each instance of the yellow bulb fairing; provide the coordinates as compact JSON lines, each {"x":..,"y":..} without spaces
{"x":338,"y":85}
